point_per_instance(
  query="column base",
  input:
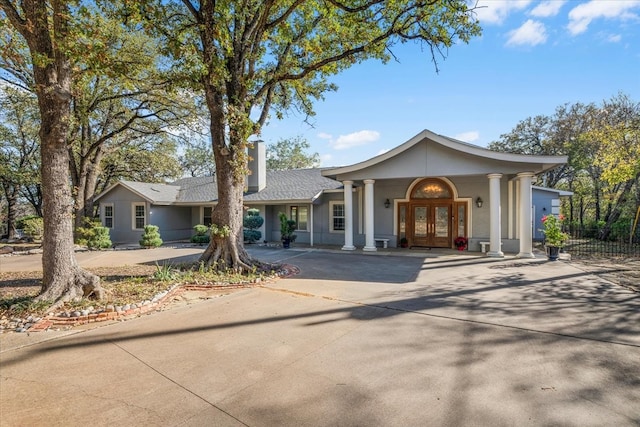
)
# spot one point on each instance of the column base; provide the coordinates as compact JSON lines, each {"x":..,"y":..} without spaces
{"x":497,"y":254}
{"x":348,"y":248}
{"x":525,"y":255}
{"x":370,"y":249}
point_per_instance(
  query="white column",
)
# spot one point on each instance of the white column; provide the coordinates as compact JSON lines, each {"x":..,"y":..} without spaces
{"x":370,"y":243}
{"x":526,"y":245}
{"x":311,"y":224}
{"x":348,"y":216}
{"x":495,"y":239}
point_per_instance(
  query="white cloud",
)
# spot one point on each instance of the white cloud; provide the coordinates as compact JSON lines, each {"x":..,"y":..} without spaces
{"x":496,"y":11}
{"x":323,"y":135}
{"x":613,"y":38}
{"x":354,"y":139}
{"x":469,"y":136}
{"x":530,"y":33}
{"x":384,"y":150}
{"x":547,"y":8}
{"x":581,"y":16}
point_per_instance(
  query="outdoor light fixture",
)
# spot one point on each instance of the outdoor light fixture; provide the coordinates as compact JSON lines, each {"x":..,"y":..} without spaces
{"x":479,"y":202}
{"x":387,"y":203}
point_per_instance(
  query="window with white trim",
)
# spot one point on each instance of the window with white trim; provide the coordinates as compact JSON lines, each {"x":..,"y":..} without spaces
{"x":107,"y":215}
{"x":206,"y":215}
{"x":336,"y":217}
{"x":300,"y":214}
{"x":139,"y":219}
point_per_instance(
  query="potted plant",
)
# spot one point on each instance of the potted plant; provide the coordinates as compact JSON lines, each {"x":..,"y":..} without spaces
{"x":554,"y":237}
{"x":461,"y":242}
{"x":404,"y":243}
{"x":287,"y":228}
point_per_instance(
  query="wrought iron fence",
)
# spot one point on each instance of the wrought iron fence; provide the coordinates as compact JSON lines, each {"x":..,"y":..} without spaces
{"x":587,"y":242}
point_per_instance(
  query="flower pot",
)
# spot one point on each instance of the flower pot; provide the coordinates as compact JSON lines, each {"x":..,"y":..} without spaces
{"x":286,"y":243}
{"x":553,"y":252}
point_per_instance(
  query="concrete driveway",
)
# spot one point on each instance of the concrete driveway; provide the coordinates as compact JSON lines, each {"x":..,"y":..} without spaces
{"x":353,"y":340}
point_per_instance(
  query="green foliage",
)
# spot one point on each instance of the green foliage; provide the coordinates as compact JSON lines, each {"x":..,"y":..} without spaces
{"x":197,"y":159}
{"x":202,"y":234}
{"x":164,"y":272}
{"x":220,"y":231}
{"x":151,"y":237}
{"x":290,"y":154}
{"x":93,"y":234}
{"x":33,"y":227}
{"x":287,"y":228}
{"x":251,"y":222}
{"x":20,"y":222}
{"x":552,"y":229}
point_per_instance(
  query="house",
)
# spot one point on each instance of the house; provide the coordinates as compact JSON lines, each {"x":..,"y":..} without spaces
{"x":428,"y":190}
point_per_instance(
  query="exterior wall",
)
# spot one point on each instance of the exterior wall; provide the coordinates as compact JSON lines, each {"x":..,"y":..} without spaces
{"x":122,"y":200}
{"x":174,"y":221}
{"x":544,"y":203}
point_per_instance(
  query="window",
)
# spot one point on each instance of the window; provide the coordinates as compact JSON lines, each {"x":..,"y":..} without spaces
{"x":336,"y":217}
{"x":139,"y":217}
{"x":300,"y":215}
{"x":431,"y":189}
{"x":107,"y":216}
{"x":206,"y":215}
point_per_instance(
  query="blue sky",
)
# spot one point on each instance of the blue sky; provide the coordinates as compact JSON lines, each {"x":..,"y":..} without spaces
{"x":533,"y":56}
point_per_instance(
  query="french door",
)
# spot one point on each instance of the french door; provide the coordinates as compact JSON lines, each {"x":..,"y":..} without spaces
{"x":431,"y":224}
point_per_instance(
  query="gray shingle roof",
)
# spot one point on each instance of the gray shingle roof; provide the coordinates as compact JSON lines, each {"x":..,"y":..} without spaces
{"x":287,"y":185}
{"x":296,"y":184}
{"x":158,"y":193}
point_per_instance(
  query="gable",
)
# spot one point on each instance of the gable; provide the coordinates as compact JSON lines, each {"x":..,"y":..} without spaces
{"x":429,"y":154}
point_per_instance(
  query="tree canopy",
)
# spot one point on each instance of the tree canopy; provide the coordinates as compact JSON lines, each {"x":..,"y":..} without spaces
{"x":255,"y":59}
{"x":291,"y":153}
{"x":603,"y":147}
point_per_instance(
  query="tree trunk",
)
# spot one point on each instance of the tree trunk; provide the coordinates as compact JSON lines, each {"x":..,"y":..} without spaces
{"x":45,"y":34}
{"x":11,"y":194}
{"x":614,"y":209}
{"x":226,"y":251}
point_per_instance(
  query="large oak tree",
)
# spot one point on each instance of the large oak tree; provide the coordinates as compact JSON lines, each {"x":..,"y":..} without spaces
{"x":46,"y":30}
{"x":254,"y":58}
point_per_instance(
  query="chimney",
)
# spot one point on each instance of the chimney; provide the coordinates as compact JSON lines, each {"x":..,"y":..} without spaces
{"x":257,"y":179}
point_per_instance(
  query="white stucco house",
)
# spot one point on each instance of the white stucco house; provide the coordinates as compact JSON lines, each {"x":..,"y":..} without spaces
{"x":428,"y":190}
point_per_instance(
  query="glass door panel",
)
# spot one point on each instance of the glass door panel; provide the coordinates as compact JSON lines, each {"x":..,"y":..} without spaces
{"x":420,"y":226}
{"x":442,"y":221}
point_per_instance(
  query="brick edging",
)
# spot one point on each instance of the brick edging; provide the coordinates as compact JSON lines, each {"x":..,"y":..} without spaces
{"x":110,"y":313}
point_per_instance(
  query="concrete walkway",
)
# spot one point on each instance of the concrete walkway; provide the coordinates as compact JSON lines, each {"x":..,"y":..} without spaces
{"x":436,"y":339}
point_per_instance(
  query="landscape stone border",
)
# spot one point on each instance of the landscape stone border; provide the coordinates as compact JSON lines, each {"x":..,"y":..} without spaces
{"x":111,"y":312}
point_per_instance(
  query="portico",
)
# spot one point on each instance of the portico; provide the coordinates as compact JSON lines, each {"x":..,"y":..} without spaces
{"x":439,"y":189}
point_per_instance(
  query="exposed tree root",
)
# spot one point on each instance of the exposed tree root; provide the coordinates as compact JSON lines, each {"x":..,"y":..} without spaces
{"x":81,"y":284}
{"x":223,"y":254}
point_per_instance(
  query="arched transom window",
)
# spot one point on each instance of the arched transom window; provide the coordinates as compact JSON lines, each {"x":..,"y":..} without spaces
{"x":431,"y":188}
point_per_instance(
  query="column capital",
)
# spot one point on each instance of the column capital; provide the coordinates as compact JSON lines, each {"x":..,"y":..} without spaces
{"x":369,"y":181}
{"x":347,"y":182}
{"x":526,"y":175}
{"x":494,"y":175}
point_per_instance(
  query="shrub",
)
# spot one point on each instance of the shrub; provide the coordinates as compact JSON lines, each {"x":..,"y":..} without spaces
{"x":251,"y":222}
{"x":93,"y":234}
{"x":33,"y":227}
{"x":202,"y":234}
{"x":20,"y":221}
{"x":151,"y":237}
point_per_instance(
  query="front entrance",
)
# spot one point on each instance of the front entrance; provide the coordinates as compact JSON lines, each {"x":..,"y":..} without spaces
{"x":432,"y":216}
{"x":431,"y":224}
